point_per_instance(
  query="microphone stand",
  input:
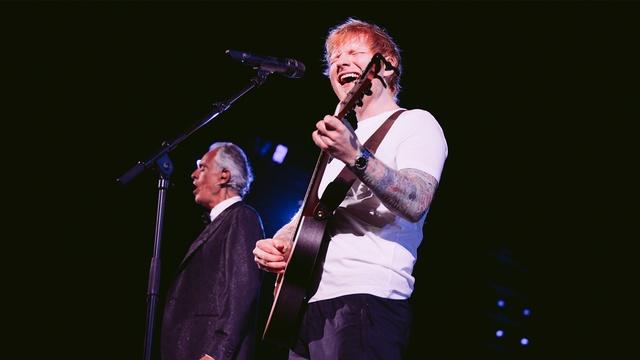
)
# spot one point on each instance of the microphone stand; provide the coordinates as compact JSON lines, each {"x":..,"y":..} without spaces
{"x":161,"y":162}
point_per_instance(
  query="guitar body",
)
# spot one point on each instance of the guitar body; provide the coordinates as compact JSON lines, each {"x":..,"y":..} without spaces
{"x":292,"y":291}
{"x":304,"y":266}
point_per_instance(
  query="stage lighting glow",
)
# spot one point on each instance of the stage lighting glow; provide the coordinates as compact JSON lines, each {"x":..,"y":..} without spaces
{"x":499,"y":333}
{"x":524,"y":341}
{"x":280,"y":153}
{"x":263,"y":147}
{"x":501,"y":303}
{"x":526,"y":312}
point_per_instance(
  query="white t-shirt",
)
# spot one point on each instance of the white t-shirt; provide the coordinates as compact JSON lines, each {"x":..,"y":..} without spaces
{"x":372,"y":250}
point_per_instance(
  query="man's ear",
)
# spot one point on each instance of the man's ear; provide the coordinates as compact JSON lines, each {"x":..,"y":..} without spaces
{"x":388,"y":72}
{"x":225,"y":176}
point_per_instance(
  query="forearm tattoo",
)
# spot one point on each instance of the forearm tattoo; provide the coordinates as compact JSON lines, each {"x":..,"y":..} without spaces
{"x":408,"y":192}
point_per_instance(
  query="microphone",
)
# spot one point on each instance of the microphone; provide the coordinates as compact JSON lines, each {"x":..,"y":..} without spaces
{"x":288,"y":67}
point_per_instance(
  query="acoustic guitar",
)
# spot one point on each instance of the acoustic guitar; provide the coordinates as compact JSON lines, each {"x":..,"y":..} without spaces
{"x":294,"y":285}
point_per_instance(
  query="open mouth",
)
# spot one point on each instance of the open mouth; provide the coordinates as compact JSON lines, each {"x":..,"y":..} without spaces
{"x":348,"y":77}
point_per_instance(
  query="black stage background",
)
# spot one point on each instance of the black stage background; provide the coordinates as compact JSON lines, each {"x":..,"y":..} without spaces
{"x":531,"y":97}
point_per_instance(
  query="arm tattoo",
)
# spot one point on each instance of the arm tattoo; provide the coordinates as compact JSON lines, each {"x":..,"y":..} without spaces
{"x":408,"y":192}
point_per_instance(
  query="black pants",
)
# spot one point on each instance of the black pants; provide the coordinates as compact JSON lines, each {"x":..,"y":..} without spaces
{"x":354,"y":327}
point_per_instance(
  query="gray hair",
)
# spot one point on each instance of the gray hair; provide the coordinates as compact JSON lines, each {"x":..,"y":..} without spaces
{"x":231,"y":157}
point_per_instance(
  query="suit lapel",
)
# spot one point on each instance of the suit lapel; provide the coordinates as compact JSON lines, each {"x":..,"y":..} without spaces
{"x":205,"y":235}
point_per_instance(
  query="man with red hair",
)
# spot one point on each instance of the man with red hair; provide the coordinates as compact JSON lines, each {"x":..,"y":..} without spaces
{"x":360,"y":308}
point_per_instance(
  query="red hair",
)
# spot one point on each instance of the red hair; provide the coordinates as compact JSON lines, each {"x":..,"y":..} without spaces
{"x":378,"y":39}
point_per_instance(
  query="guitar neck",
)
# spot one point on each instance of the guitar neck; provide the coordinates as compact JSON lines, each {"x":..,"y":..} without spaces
{"x":353,"y":98}
{"x":311,"y":197}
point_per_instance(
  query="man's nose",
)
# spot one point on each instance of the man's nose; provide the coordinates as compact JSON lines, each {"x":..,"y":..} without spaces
{"x":344,"y":60}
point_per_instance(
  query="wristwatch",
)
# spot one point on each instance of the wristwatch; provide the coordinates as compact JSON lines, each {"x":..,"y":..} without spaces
{"x":362,"y":160}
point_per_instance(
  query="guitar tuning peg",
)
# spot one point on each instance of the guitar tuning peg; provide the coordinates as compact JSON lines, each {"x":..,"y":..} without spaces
{"x":359,"y":102}
{"x":368,"y":92}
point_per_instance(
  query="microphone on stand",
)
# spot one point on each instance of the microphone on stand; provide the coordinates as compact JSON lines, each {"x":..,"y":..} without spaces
{"x":288,"y":67}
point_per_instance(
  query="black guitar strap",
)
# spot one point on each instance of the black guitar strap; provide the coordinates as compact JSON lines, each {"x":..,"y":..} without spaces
{"x":337,"y":189}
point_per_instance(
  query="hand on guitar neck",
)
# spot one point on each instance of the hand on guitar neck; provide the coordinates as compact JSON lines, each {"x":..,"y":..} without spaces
{"x":335,"y":138}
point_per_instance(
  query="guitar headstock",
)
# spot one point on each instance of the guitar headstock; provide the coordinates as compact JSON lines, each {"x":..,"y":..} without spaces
{"x":362,"y":86}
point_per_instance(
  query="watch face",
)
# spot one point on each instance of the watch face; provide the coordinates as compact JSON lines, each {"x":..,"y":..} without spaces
{"x":361,"y":162}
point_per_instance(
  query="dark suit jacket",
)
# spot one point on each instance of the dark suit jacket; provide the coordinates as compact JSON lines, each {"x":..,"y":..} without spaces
{"x":212,"y":305}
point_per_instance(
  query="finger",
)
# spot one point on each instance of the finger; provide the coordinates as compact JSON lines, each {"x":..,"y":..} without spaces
{"x":263,"y":257}
{"x":283,"y":247}
{"x":322,"y":128}
{"x":274,"y":255}
{"x":267,"y":246}
{"x":281,"y":244}
{"x":319,"y":141}
{"x":332,"y":123}
{"x":275,"y":266}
